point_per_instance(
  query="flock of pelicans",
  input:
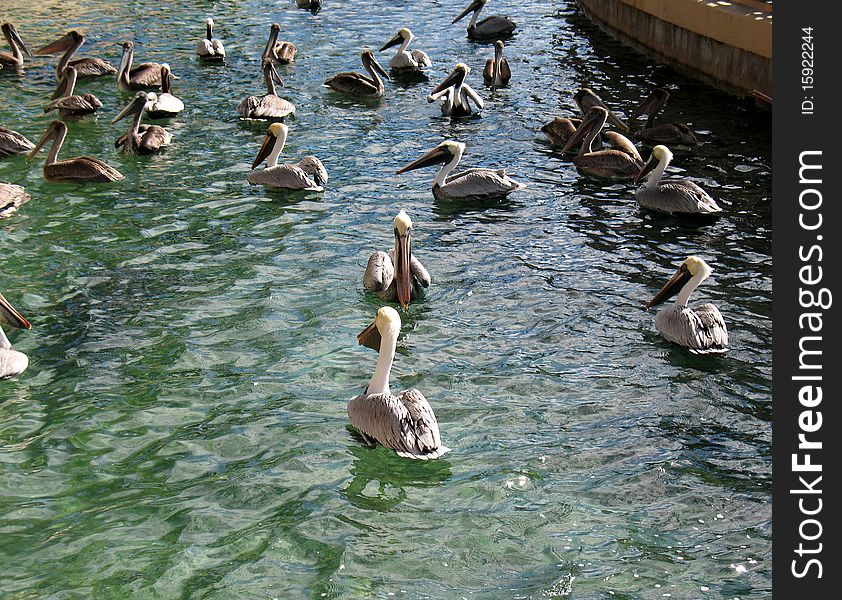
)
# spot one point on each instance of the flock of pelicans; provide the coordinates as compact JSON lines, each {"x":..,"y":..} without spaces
{"x":404,"y":422}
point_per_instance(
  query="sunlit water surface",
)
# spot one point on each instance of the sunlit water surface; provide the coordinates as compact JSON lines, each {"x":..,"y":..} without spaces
{"x":181,"y":430}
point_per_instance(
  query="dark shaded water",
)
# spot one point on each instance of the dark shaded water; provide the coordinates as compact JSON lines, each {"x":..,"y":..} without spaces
{"x":181,"y":430}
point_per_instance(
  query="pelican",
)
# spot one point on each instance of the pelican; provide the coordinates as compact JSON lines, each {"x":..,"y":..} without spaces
{"x":406,"y":422}
{"x":141,"y":139}
{"x":490,"y":27}
{"x":138,"y":77}
{"x":282,"y":52}
{"x":13,"y":362}
{"x":165,"y":105}
{"x":497,"y":72}
{"x":674,"y":196}
{"x":11,"y":197}
{"x":560,"y":129}
{"x":12,"y":142}
{"x":308,"y":174}
{"x":701,"y":328}
{"x":467,"y":184}
{"x":68,"y":104}
{"x":613,"y":163}
{"x":270,"y":106}
{"x":674,"y":134}
{"x":313,"y":6}
{"x":209,"y":48}
{"x":85,"y":67}
{"x":81,"y":169}
{"x":586,"y":99}
{"x":357,"y":84}
{"x":458,"y":95}
{"x":15,"y":57}
{"x":404,"y":59}
{"x":397,"y":276}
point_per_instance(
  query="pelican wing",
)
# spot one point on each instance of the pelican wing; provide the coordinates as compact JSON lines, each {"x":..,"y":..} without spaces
{"x":153,"y":138}
{"x":269,"y":106}
{"x":493,"y":26}
{"x":167,"y":104}
{"x":560,"y":129}
{"x":700,"y":329}
{"x":677,"y":197}
{"x":608,"y":163}
{"x":713,"y":332}
{"x":618,"y":141}
{"x":205,"y":48}
{"x":80,"y":170}
{"x":671,"y":134}
{"x":488,"y":71}
{"x":352,"y":83}
{"x":421,"y":274}
{"x":288,"y":177}
{"x":421,"y":58}
{"x":480,"y":182}
{"x":379,"y":273}
{"x":75,"y":104}
{"x":11,"y":197}
{"x":11,"y":142}
{"x":92,"y":67}
{"x":505,"y":71}
{"x":146,"y":75}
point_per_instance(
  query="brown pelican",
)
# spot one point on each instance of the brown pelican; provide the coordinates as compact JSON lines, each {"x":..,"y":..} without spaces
{"x":281,"y":52}
{"x":467,"y":184}
{"x":15,"y":57}
{"x":701,"y":329}
{"x":11,"y":197}
{"x":81,"y":169}
{"x":497,"y":72}
{"x":308,"y":174}
{"x":85,"y":67}
{"x":397,"y":276}
{"x":674,"y":134}
{"x":209,"y":48}
{"x":674,"y":196}
{"x":11,"y":142}
{"x":313,"y":6}
{"x":12,"y":362}
{"x":68,"y":104}
{"x":458,"y":95}
{"x":612,"y":162}
{"x":141,"y":139}
{"x":138,"y":77}
{"x":357,"y":84}
{"x":406,"y":422}
{"x":270,"y":106}
{"x":490,"y":27}
{"x":165,"y":105}
{"x":405,"y":59}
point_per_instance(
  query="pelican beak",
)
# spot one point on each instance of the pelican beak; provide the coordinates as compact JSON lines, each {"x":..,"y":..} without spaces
{"x":137,"y":104}
{"x":471,"y":8}
{"x":456,"y":77}
{"x":646,"y":107}
{"x":581,"y":132}
{"x":433,"y":157}
{"x":397,"y":39}
{"x":265,"y":149}
{"x":269,"y":66}
{"x":403,"y":275}
{"x":376,"y":66}
{"x":58,"y":46}
{"x":585,"y":99}
{"x":51,"y":128}
{"x":650,"y":164}
{"x":9,"y":315}
{"x":370,"y":337}
{"x":13,"y":33}
{"x":616,"y":122}
{"x":671,"y":287}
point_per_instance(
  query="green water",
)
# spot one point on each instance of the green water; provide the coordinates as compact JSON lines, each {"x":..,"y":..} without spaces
{"x":181,"y":430}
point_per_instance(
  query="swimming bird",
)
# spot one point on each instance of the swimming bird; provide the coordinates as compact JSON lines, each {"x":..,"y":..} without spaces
{"x":15,"y":57}
{"x":270,"y":106}
{"x":701,"y":328}
{"x":674,"y":196}
{"x":68,"y":104}
{"x":210,"y":49}
{"x":69,"y":43}
{"x":458,"y":95}
{"x":560,"y":129}
{"x":623,"y":163}
{"x":661,"y":132}
{"x":281,"y":52}
{"x":313,"y":6}
{"x":357,"y":84}
{"x":404,"y":59}
{"x":308,"y":174}
{"x":397,"y":276}
{"x":12,"y":362}
{"x":164,"y":105}
{"x":497,"y":72}
{"x":80,"y":169}
{"x":141,"y":139}
{"x":471,"y":183}
{"x":11,"y":197}
{"x":404,"y":423}
{"x":143,"y":76}
{"x":489,"y":27}
{"x":12,"y":142}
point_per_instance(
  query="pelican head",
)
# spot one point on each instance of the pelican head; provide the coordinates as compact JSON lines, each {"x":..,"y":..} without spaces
{"x":653,"y":102}
{"x":660,"y":154}
{"x":443,"y":153}
{"x":277,"y":131}
{"x":475,"y":6}
{"x":595,"y":119}
{"x":403,"y":253}
{"x":68,"y":40}
{"x":209,"y":27}
{"x":692,"y":267}
{"x":270,"y":73}
{"x":10,"y":316}
{"x":386,"y":324}
{"x":11,"y":33}
{"x":370,"y":63}
{"x":56,"y":129}
{"x":136,"y":106}
{"x":586,"y":99}
{"x":498,"y":49}
{"x":456,"y":78}
{"x":404,"y":35}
